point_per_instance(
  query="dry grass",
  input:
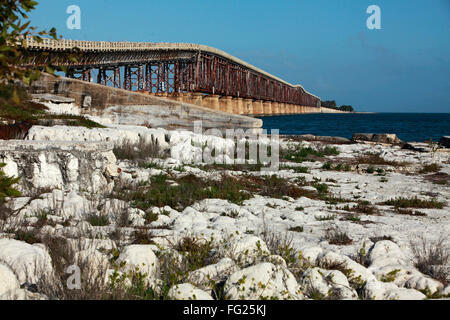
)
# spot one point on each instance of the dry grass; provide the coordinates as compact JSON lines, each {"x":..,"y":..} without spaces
{"x":337,"y":237}
{"x":138,"y":152}
{"x":431,"y":257}
{"x":376,"y":159}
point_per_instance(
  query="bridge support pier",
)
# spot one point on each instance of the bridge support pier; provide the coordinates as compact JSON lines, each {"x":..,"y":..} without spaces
{"x":196,"y":98}
{"x":226,"y":104}
{"x":258,"y":107}
{"x":211,"y":101}
{"x":275,"y":108}
{"x":238,"y":106}
{"x":267,"y":107}
{"x":248,"y":106}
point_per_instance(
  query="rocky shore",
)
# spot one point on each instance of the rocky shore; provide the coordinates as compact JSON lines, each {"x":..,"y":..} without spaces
{"x":124,"y":212}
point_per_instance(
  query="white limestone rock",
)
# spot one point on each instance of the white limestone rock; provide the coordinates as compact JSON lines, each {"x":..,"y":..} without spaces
{"x":247,"y":249}
{"x":203,"y":278}
{"x":319,"y":283}
{"x":385,"y":253}
{"x":139,"y":258}
{"x":187,"y":291}
{"x":377,"y":290}
{"x":92,"y":262}
{"x":357,"y":273}
{"x":263,"y":280}
{"x":64,"y":165}
{"x":30,"y":263}
{"x":8,"y":280}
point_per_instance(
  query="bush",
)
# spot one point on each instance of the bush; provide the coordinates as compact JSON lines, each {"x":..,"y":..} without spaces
{"x":346,"y":108}
{"x":303,"y":154}
{"x":431,"y":257}
{"x":414,"y":203}
{"x":138,"y":152}
{"x":6,"y":183}
{"x":429,"y":168}
{"x":335,"y":236}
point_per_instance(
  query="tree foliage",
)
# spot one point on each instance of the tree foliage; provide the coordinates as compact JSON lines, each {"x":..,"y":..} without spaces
{"x":15,"y":27}
{"x":347,"y":108}
{"x":329,"y":104}
{"x":6,"y":183}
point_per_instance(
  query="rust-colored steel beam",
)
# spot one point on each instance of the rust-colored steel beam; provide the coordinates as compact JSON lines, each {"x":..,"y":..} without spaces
{"x":171,"y":71}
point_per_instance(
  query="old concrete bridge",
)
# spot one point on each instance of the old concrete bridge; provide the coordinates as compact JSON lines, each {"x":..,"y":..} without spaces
{"x":189,"y":73}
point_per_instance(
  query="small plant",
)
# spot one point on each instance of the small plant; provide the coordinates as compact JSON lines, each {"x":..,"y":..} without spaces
{"x":299,"y":209}
{"x":322,"y":188}
{"x":431,"y":257}
{"x":28,"y":236}
{"x":364,"y":207}
{"x":303,"y":154}
{"x":327,"y":166}
{"x":430,"y":168}
{"x":296,"y":229}
{"x":409,"y":212}
{"x":337,"y":237}
{"x":97,"y":220}
{"x":370,"y":170}
{"x":138,"y":152}
{"x":325,"y":218}
{"x":150,"y":217}
{"x":376,"y":239}
{"x":352,"y":218}
{"x":433,"y":147}
{"x":280,"y":244}
{"x":390,"y":276}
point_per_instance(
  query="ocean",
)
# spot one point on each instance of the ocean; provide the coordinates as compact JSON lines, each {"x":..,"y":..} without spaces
{"x":409,"y":127}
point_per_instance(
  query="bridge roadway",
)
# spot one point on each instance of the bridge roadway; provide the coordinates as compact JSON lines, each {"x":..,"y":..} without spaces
{"x":190,"y":73}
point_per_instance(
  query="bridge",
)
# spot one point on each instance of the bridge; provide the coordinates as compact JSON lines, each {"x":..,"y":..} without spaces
{"x":189,"y":73}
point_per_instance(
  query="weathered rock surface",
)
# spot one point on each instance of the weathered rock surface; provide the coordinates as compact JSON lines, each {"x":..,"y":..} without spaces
{"x":445,"y":141}
{"x":30,"y":263}
{"x":59,"y":165}
{"x":261,"y":281}
{"x":388,"y":138}
{"x":187,"y":291}
{"x":139,"y":259}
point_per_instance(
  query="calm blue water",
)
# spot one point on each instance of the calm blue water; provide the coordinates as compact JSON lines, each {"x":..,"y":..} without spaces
{"x":408,"y":126}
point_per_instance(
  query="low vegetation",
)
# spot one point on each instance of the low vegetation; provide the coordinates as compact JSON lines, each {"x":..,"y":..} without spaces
{"x":337,"y":237}
{"x":376,"y":159}
{"x":409,"y":212}
{"x":6,"y":185}
{"x":414,"y":203}
{"x":432,"y":257}
{"x":430,"y":168}
{"x":139,"y":152}
{"x":16,"y":105}
{"x":301,"y":154}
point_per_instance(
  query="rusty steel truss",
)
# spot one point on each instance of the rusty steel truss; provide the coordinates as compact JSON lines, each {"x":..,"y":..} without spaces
{"x":174,"y":70}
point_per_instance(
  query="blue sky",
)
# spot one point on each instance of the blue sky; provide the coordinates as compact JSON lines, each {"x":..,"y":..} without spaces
{"x":322,"y":44}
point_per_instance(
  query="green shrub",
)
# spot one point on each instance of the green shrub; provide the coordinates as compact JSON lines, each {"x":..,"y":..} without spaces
{"x":414,"y":203}
{"x":97,"y":220}
{"x":6,"y":185}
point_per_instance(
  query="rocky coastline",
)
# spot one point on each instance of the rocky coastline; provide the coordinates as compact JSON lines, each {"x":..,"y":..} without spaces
{"x":126,"y":211}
